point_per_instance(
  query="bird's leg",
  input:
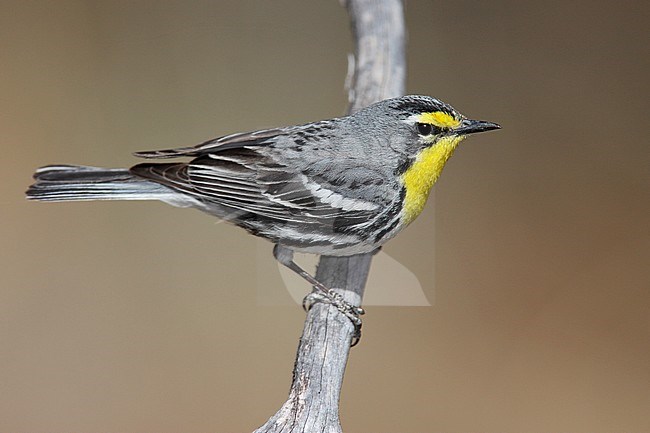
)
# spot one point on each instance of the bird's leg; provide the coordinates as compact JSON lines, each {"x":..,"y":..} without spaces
{"x":322,"y":293}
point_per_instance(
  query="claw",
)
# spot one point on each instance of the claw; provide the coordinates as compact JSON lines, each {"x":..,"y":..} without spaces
{"x":312,"y":298}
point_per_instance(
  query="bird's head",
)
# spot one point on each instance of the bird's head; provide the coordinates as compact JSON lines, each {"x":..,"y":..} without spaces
{"x":427,"y":133}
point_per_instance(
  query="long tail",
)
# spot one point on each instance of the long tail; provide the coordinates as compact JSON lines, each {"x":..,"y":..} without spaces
{"x":75,"y":182}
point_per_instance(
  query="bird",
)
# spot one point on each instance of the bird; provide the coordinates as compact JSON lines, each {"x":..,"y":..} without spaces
{"x":336,"y":187}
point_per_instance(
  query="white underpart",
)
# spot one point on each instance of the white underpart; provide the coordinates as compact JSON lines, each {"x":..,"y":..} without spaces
{"x":285,"y":232}
{"x":335,"y":199}
{"x":288,"y":233}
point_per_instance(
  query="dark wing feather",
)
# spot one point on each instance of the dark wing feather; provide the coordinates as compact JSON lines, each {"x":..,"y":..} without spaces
{"x":233,"y":141}
{"x":252,"y":182}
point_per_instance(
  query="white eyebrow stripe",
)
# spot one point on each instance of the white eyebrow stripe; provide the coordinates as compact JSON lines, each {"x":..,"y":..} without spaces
{"x":412,"y":119}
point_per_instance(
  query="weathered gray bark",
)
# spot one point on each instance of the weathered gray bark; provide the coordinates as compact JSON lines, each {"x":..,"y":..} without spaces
{"x":378,"y":72}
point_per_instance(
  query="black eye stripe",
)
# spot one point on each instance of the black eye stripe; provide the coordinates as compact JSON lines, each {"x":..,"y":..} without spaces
{"x":427,"y":128}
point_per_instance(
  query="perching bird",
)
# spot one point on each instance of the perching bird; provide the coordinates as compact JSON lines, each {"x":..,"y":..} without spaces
{"x":335,"y":187}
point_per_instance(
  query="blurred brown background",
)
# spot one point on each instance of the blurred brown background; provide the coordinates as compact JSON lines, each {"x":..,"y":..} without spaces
{"x":139,"y":317}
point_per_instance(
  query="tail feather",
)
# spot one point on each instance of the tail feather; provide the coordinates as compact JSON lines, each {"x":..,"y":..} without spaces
{"x":74,"y":182}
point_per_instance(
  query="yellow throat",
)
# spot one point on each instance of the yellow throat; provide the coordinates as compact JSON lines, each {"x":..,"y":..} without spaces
{"x":424,"y":172}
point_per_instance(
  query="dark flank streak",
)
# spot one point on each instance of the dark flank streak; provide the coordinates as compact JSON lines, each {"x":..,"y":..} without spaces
{"x":404,"y":164}
{"x":379,"y":236}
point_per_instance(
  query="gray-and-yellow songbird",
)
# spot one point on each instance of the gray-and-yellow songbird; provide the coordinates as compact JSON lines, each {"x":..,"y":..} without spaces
{"x":336,"y":187}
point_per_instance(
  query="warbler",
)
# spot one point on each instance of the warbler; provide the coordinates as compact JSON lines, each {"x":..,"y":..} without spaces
{"x":335,"y":187}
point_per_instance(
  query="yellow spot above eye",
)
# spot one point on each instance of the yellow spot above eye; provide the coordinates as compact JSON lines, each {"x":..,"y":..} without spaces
{"x":420,"y":177}
{"x":439,"y":119}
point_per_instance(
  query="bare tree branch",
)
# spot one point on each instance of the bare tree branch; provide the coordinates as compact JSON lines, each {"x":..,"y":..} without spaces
{"x":378,"y":73}
{"x":380,"y":51}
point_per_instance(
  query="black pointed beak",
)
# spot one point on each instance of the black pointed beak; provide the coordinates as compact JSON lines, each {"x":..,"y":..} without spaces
{"x":469,"y":126}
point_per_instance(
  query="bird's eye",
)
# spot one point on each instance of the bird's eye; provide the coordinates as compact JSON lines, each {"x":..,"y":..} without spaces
{"x":424,"y":128}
